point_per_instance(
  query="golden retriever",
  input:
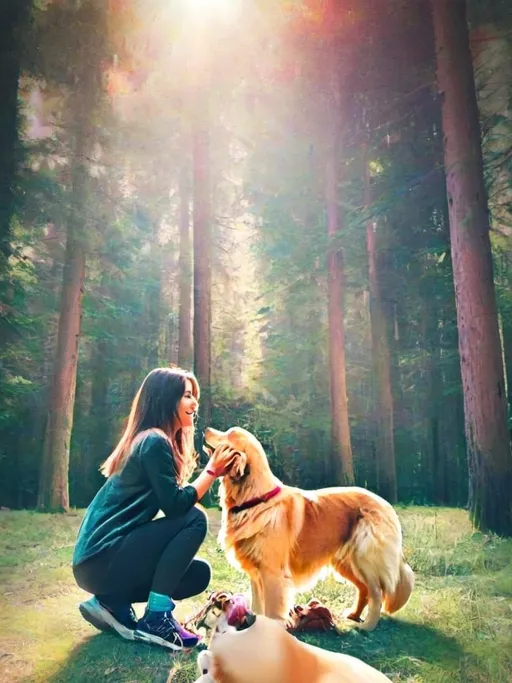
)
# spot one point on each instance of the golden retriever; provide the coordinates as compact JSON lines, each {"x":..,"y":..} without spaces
{"x":264,"y":651}
{"x":286,"y":538}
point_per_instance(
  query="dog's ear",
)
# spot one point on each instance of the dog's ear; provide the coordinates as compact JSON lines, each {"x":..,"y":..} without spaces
{"x":238,"y":466}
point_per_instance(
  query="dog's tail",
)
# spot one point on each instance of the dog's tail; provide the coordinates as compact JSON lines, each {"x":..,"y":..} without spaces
{"x":375,"y":555}
{"x":396,"y":600}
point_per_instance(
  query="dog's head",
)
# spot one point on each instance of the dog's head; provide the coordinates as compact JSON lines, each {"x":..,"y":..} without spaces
{"x":248,"y":454}
{"x":223,"y":610}
{"x":236,"y":615}
{"x":207,"y":617}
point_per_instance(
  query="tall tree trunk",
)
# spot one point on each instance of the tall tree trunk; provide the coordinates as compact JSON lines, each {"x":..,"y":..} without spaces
{"x":40,"y":419}
{"x":53,"y":484}
{"x":54,"y":476}
{"x":202,"y":258}
{"x":341,"y":446}
{"x":13,"y":14}
{"x":185,"y":349}
{"x":488,"y":443}
{"x":385,"y":446}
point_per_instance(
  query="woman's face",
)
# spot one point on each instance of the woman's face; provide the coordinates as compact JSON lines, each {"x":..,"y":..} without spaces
{"x":187,"y":407}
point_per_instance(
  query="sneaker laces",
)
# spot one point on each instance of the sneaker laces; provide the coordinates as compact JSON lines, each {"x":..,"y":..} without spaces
{"x":174,"y":626}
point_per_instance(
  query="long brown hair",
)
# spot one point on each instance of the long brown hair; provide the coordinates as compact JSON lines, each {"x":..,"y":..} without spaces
{"x":155,"y":407}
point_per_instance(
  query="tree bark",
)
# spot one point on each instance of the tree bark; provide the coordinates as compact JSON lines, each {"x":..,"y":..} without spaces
{"x":185,"y":348}
{"x":488,"y":443}
{"x":385,"y":446}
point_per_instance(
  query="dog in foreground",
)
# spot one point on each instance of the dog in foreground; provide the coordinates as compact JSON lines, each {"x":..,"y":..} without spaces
{"x":246,"y":648}
{"x":286,"y":538}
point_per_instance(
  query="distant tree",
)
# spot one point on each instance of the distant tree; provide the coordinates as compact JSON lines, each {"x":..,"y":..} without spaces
{"x":13,"y":17}
{"x":335,"y":79}
{"x":381,"y":358}
{"x":185,"y":342}
{"x":202,"y":223}
{"x":202,"y":261}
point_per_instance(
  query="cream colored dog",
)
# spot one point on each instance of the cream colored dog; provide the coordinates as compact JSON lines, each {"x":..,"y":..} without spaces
{"x":286,"y":538}
{"x":266,"y":653}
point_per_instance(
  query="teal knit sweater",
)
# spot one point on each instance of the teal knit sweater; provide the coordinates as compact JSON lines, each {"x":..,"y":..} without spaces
{"x":146,"y":484}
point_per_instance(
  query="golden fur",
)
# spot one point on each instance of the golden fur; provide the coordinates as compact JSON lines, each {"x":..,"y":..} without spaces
{"x":266,"y":652}
{"x":290,"y":541}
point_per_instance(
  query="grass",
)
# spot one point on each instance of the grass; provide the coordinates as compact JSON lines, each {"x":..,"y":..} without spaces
{"x":457,"y":627}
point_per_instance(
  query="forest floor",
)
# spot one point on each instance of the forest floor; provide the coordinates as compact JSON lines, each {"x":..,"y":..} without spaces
{"x":457,"y":627}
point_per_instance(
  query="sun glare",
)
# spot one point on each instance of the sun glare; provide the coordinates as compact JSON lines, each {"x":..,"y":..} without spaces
{"x":203,"y":7}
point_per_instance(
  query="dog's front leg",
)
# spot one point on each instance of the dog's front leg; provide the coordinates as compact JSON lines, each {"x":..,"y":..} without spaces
{"x":278,"y":594}
{"x":204,"y":662}
{"x":257,"y":600}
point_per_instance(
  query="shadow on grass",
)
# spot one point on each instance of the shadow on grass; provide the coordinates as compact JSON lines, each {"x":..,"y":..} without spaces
{"x":397,"y":648}
{"x":105,"y":657}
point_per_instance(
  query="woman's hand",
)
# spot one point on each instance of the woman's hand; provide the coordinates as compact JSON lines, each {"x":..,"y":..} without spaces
{"x":221,"y":461}
{"x":218,"y":465}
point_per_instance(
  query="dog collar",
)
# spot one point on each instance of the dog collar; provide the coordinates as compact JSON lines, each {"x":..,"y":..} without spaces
{"x":256,"y":501}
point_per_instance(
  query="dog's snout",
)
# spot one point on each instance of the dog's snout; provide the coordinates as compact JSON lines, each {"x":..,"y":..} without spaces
{"x":212,"y":437}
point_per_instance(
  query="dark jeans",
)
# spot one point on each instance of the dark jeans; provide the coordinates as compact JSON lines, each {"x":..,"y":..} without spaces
{"x":157,"y":556}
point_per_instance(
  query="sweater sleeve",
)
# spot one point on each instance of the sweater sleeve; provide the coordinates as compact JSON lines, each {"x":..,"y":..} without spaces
{"x":158,"y":464}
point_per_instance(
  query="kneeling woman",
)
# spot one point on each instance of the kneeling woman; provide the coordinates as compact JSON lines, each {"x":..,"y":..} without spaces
{"x":122,"y":554}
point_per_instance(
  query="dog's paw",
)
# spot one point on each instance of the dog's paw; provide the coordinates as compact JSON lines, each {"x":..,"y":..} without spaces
{"x":366,"y":627}
{"x":353,"y":616}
